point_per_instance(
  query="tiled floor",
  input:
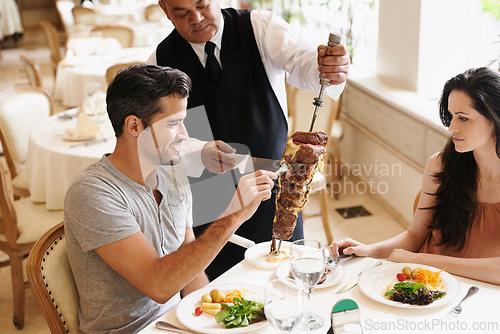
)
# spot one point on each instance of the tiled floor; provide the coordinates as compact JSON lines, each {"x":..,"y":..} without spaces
{"x":378,"y":226}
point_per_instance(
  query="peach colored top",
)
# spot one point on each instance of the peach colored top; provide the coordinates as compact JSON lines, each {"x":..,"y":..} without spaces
{"x":483,"y":240}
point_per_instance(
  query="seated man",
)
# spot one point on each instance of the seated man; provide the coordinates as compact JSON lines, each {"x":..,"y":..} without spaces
{"x":128,"y":217}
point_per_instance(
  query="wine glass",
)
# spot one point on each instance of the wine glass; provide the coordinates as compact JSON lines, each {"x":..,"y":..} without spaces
{"x":93,"y":97}
{"x":307,"y":263}
{"x":283,"y":304}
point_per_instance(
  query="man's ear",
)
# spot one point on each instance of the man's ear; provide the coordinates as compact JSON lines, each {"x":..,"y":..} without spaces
{"x":162,"y":5}
{"x":133,"y":125}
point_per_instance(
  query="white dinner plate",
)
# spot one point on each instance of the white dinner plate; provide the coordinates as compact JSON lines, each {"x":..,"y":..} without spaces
{"x":205,"y":323}
{"x":257,"y":255}
{"x":334,"y":276}
{"x":374,"y":281}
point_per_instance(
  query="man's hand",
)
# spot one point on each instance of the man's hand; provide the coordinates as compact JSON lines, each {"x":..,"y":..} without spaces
{"x":215,"y":159}
{"x":252,"y":189}
{"x":334,"y":63}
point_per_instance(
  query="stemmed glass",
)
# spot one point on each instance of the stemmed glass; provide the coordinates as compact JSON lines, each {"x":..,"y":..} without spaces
{"x":283,"y":304}
{"x":307,"y":263}
{"x":95,"y":98}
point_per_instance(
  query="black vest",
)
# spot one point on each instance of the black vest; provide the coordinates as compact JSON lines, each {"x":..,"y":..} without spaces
{"x":242,"y":107}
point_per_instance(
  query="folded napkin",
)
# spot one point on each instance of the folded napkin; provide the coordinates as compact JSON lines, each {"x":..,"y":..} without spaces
{"x":85,"y":128}
{"x":69,"y":59}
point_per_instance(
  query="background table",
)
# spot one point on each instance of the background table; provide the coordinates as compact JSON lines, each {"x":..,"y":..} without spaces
{"x":479,"y":312}
{"x":53,"y":162}
{"x":73,"y":75}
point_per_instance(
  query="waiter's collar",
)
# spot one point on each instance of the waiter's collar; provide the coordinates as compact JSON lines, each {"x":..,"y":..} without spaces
{"x":199,"y":48}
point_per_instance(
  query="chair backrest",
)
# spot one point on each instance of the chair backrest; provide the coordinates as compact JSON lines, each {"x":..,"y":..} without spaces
{"x":122,"y":34}
{"x":32,"y":70}
{"x":154,"y":13}
{"x":113,"y":70}
{"x":84,"y":16}
{"x":52,"y":282}
{"x":52,"y":39}
{"x":415,"y":203}
{"x":21,"y":109}
{"x":64,"y":8}
{"x":8,"y":216}
{"x":301,"y":120}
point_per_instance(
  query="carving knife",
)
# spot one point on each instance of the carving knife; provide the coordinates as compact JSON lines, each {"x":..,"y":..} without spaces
{"x":354,"y":281}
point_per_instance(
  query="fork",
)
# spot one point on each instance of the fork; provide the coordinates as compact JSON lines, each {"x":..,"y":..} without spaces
{"x":457,"y":309}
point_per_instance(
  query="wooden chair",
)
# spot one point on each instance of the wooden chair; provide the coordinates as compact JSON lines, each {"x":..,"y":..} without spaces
{"x":113,"y":70}
{"x":21,"y":108}
{"x":154,"y":13}
{"x":32,"y":70}
{"x":84,"y":16}
{"x":415,"y":203}
{"x":52,"y":282}
{"x":52,"y":39}
{"x":122,"y":34}
{"x":21,"y":225}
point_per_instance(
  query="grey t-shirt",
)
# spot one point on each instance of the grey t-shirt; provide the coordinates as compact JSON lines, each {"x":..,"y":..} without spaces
{"x":103,"y":206}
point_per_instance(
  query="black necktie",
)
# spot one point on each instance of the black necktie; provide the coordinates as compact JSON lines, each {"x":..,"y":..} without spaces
{"x":212,"y":66}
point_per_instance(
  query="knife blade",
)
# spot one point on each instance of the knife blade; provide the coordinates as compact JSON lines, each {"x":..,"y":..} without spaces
{"x":171,"y":328}
{"x":354,"y":281}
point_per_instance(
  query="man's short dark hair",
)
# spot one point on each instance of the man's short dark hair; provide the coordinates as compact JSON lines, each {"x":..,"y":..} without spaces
{"x":137,"y":89}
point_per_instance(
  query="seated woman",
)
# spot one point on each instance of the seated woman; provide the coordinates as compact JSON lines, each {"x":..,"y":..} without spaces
{"x":457,"y":223}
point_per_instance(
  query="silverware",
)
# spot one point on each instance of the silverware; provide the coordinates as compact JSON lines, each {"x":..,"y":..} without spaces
{"x":92,"y":142}
{"x":335,"y":260}
{"x":457,"y":309}
{"x":169,"y":327}
{"x":354,"y":282}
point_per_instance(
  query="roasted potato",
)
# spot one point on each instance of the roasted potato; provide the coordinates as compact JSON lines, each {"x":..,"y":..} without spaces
{"x":407,"y":272}
{"x":206,"y":298}
{"x":217,"y":295}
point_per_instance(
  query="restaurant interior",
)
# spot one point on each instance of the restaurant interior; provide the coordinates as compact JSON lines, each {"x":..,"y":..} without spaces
{"x":383,"y":128}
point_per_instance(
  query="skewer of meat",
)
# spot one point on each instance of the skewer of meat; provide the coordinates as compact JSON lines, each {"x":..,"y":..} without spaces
{"x":304,"y":154}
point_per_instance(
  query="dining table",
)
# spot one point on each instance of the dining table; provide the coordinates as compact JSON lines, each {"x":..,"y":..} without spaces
{"x":54,"y":159}
{"x":377,"y":314}
{"x":93,"y":56}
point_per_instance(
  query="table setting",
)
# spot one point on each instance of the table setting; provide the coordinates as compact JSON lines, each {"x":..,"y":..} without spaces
{"x":63,"y":145}
{"x":86,"y":61}
{"x":353,"y":303}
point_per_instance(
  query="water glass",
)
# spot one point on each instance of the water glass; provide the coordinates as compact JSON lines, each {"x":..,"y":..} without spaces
{"x":307,"y":263}
{"x":283,"y":304}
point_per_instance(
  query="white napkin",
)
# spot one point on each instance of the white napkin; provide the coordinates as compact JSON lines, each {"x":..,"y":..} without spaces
{"x":85,"y":127}
{"x":69,"y":59}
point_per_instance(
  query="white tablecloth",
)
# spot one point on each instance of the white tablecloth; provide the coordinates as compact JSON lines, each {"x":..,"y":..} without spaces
{"x":10,"y":20}
{"x":478,"y":313}
{"x":73,"y":75}
{"x":52,"y":162}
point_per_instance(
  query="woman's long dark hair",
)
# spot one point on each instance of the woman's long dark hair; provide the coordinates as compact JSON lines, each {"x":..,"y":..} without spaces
{"x":456,"y":201}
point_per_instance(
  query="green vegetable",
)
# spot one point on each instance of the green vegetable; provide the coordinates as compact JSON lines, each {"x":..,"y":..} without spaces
{"x":240,"y":313}
{"x":405,"y":287}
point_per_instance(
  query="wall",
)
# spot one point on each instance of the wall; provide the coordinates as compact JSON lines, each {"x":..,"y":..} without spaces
{"x":387,"y":142}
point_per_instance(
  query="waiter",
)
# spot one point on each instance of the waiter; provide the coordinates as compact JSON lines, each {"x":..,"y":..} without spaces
{"x":237,"y":61}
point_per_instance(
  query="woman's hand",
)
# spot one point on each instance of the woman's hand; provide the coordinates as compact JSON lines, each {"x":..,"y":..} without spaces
{"x":349,"y":246}
{"x":402,"y":255}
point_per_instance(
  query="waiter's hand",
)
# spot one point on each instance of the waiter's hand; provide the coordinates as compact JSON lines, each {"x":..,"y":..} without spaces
{"x":215,"y":158}
{"x":334,"y":63}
